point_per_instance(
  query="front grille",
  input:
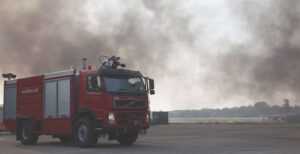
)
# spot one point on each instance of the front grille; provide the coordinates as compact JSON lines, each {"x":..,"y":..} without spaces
{"x":130,"y":103}
{"x":131,"y":118}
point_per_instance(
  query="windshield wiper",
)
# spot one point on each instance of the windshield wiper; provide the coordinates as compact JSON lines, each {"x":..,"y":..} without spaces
{"x":122,"y":89}
{"x":137,"y":91}
{"x":131,"y":103}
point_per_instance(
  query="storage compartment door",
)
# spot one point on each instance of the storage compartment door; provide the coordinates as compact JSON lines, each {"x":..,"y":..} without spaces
{"x":50,"y":110}
{"x":64,"y":98}
{"x":10,"y":100}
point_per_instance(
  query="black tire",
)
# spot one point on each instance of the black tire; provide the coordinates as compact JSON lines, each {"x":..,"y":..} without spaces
{"x":27,"y":134}
{"x":128,"y":138}
{"x":65,"y":138}
{"x":85,"y":134}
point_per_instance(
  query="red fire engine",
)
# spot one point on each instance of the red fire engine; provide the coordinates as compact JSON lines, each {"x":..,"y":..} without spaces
{"x":79,"y":106}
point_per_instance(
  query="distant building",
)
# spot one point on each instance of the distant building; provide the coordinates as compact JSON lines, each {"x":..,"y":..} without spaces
{"x":285,"y":116}
{"x":160,"y":118}
{"x":290,"y":119}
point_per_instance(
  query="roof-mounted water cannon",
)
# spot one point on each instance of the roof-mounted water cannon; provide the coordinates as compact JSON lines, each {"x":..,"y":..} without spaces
{"x":112,"y":62}
{"x":9,"y":76}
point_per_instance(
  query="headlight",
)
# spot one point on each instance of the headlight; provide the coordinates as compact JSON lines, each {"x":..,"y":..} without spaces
{"x":148,"y":119}
{"x":111,"y":118}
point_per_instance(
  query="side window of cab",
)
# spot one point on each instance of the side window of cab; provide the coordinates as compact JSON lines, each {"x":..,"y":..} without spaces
{"x":93,"y":83}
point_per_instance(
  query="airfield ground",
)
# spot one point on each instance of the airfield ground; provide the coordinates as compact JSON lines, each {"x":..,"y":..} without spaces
{"x":180,"y":139}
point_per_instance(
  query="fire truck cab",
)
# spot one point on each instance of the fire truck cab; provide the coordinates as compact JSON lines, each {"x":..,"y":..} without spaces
{"x":79,"y":106}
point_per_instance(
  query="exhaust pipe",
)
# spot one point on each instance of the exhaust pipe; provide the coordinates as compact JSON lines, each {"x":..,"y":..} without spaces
{"x":83,"y":63}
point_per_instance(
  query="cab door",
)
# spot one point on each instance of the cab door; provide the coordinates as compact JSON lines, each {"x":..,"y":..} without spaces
{"x":94,"y":98}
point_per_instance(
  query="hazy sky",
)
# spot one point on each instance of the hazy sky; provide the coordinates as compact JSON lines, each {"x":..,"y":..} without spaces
{"x":202,"y":54}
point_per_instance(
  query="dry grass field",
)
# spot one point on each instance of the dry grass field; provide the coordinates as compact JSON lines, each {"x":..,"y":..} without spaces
{"x":254,"y":120}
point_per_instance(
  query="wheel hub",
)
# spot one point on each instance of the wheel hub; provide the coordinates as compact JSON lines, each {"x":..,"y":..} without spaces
{"x":26,"y":133}
{"x":82,"y":132}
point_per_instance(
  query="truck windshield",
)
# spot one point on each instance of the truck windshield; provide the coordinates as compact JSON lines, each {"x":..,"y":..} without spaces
{"x":131,"y":84}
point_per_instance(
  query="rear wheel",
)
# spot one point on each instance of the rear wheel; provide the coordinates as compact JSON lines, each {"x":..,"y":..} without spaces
{"x":85,"y":134}
{"x":27,"y":136}
{"x":128,"y":138}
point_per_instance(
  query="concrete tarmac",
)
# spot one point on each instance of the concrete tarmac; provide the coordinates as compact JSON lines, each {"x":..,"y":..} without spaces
{"x":180,"y":139}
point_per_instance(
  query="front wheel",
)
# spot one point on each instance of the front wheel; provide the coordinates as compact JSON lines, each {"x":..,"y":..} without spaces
{"x":85,"y":134}
{"x":27,"y":136}
{"x":128,"y":138}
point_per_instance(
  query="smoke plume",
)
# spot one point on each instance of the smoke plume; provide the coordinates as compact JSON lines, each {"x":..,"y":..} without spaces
{"x":267,"y":66}
{"x":246,"y":51}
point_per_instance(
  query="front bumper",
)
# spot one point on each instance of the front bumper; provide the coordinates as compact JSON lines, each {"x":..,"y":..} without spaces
{"x":130,"y":119}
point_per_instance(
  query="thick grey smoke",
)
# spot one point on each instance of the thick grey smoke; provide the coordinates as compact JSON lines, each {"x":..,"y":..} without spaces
{"x":44,"y":36}
{"x":267,"y":67}
{"x":57,"y":35}
{"x":246,"y":51}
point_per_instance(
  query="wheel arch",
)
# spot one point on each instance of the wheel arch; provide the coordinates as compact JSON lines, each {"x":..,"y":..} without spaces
{"x":83,"y":112}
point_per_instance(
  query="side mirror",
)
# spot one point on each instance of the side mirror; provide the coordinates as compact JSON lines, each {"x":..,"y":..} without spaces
{"x":151,"y":84}
{"x":152,"y":92}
